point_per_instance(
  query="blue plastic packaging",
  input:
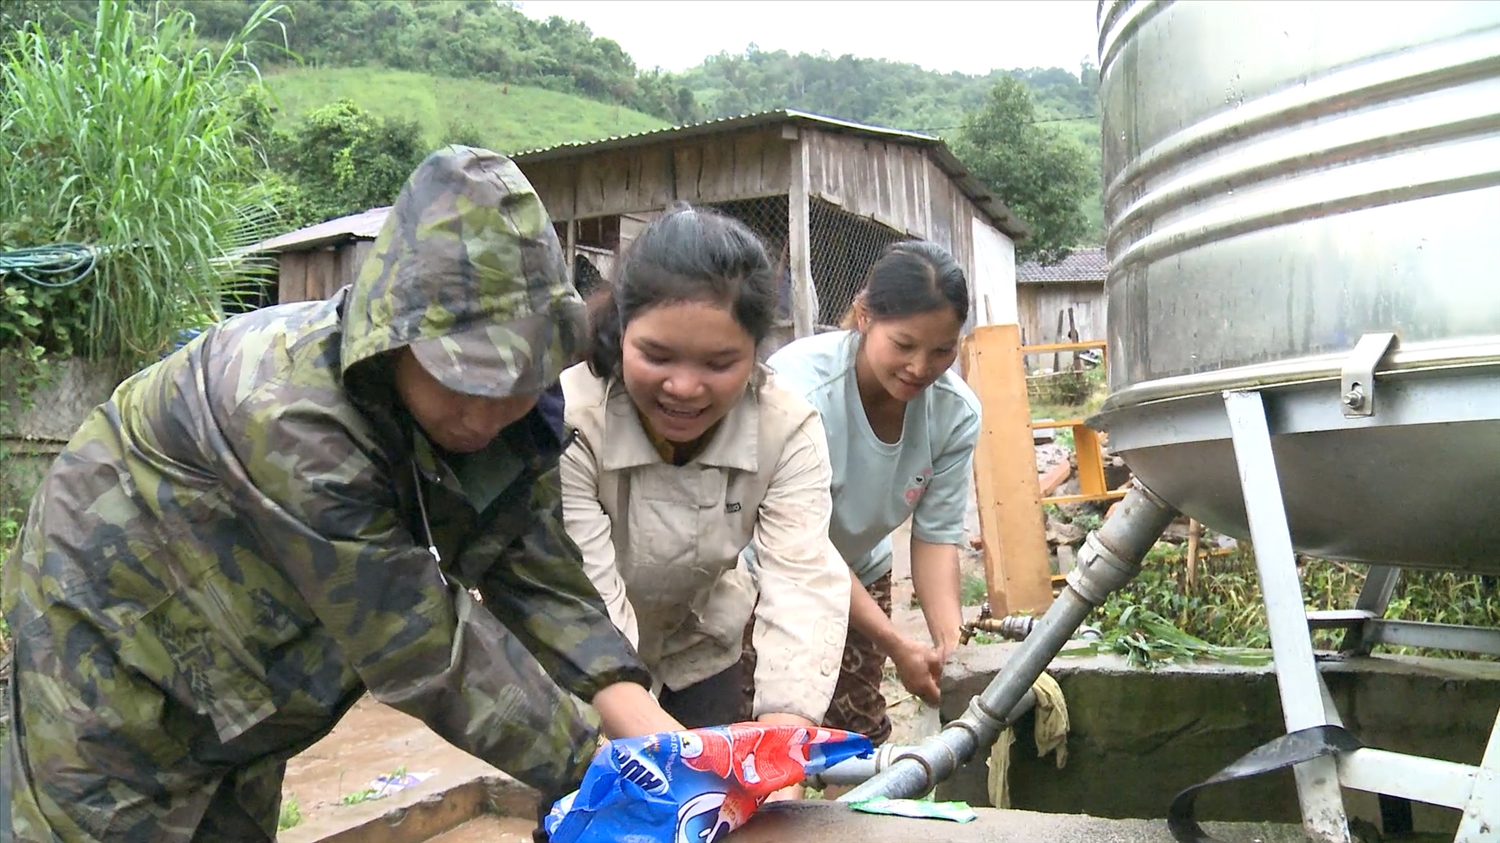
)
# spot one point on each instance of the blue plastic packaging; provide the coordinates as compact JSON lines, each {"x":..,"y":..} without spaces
{"x":694,"y":786}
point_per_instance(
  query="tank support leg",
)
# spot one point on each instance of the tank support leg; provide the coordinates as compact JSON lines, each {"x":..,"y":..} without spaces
{"x":1297,"y":679}
{"x":1374,"y":597}
{"x":1481,"y":817}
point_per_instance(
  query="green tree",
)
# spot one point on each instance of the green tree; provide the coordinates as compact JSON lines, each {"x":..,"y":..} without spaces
{"x":462,"y":131}
{"x":1043,"y":177}
{"x":344,"y":160}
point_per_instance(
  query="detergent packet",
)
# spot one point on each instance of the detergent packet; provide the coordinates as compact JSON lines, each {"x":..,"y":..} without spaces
{"x":694,"y":786}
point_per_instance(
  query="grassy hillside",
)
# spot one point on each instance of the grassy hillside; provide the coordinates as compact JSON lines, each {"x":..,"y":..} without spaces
{"x":507,"y":118}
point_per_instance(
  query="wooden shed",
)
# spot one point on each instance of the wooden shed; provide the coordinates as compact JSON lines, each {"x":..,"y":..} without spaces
{"x":825,"y":195}
{"x":314,"y":262}
{"x":1063,"y":302}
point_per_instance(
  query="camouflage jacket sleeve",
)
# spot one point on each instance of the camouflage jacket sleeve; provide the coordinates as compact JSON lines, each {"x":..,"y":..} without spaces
{"x":322,"y":504}
{"x":538,"y":588}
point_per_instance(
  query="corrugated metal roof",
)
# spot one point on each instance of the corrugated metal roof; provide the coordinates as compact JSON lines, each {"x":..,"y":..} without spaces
{"x":366,"y":224}
{"x":718,"y":124}
{"x":1082,"y":266}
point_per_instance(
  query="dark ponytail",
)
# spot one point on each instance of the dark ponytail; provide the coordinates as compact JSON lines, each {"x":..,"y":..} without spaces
{"x":687,"y":255}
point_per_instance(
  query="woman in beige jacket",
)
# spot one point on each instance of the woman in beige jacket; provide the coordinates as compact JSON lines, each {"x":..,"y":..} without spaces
{"x":684,"y":454}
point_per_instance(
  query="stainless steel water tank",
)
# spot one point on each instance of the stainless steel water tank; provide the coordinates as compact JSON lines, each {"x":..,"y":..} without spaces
{"x":1281,"y":180}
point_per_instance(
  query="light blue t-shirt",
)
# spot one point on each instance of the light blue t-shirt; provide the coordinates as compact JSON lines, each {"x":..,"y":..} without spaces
{"x":877,"y":485}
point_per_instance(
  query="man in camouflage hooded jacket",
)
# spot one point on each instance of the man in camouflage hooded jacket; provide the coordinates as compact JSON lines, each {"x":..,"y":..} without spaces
{"x":253,"y":532}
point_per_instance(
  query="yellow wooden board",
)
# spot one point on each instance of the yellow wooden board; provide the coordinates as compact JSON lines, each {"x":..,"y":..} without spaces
{"x":1009,"y":496}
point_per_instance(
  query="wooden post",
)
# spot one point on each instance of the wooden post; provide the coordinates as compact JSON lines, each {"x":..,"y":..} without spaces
{"x":1073,"y":337}
{"x":1006,"y":487}
{"x":1057,"y":356}
{"x":799,"y":235}
{"x":1194,"y":528}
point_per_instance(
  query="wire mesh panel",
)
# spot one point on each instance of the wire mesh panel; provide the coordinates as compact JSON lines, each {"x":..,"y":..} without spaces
{"x":768,"y":217}
{"x":844,"y":247}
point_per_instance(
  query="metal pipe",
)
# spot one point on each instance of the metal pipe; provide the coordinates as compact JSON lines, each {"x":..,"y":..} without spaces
{"x":857,"y":770}
{"x":1111,"y":556}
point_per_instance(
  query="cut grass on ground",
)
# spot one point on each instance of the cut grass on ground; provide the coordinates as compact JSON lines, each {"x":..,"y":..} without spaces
{"x":291,"y":814}
{"x":508,"y":119}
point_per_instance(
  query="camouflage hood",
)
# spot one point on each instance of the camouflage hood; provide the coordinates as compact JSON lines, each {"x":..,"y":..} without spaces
{"x":467,"y":271}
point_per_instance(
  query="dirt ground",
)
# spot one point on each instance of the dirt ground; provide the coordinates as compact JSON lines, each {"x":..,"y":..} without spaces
{"x":489,"y":830}
{"x":374,"y":740}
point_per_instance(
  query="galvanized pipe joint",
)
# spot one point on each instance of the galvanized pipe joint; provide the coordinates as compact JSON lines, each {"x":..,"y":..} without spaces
{"x":1111,"y":557}
{"x":857,"y":770}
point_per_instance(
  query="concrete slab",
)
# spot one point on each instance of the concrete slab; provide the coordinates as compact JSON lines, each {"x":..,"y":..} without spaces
{"x":1139,"y":736}
{"x":816,"y":822}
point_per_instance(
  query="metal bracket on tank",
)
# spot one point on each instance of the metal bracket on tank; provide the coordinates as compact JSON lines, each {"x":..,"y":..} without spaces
{"x":1357,"y":387}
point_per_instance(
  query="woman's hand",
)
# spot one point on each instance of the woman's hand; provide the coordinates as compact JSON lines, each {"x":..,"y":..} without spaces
{"x":935,"y":579}
{"x":790,"y":793}
{"x":920,"y":669}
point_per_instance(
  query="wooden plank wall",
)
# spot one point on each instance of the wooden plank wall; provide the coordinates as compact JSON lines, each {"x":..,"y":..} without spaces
{"x":291,"y":280}
{"x":553,"y":182}
{"x":351,"y":259}
{"x":895,"y":184}
{"x":715,"y":168}
{"x":1039,"y":304}
{"x":319,"y":273}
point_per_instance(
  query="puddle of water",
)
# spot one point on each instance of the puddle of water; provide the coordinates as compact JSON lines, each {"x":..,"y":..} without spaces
{"x":489,"y":830}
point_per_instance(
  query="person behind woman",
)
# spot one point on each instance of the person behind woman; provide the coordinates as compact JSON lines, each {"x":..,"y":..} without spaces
{"x":684,"y":455}
{"x":901,"y":430}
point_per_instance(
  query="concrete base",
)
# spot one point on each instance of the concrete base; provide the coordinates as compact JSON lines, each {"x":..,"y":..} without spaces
{"x":1138,"y":737}
{"x":814,"y":822}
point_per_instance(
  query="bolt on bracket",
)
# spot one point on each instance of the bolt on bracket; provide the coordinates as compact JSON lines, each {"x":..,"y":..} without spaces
{"x":1357,"y":386}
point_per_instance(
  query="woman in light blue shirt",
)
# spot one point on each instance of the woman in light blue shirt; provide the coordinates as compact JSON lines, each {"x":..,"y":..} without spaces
{"x":901,"y":429}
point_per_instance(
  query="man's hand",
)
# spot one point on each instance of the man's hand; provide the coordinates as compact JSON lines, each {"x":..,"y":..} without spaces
{"x":627,"y":710}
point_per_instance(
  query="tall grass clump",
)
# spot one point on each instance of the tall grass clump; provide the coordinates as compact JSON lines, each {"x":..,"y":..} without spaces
{"x":122,"y":137}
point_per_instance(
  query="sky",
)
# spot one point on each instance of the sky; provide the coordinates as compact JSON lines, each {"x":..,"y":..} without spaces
{"x":968,"y":37}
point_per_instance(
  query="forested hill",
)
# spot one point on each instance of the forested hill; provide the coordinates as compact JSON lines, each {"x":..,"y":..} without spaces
{"x":415,"y":54}
{"x":463,"y":39}
{"x":490,"y":41}
{"x":874,"y":91}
